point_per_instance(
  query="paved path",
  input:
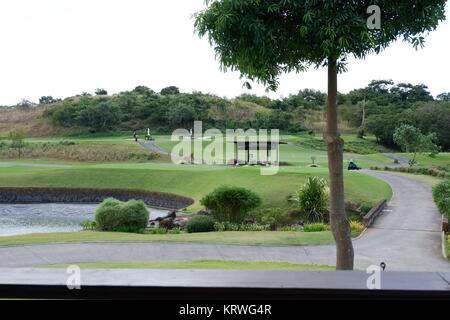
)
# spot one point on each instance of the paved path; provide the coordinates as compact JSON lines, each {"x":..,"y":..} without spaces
{"x":36,"y":164}
{"x":403,"y":162}
{"x":406,"y":237}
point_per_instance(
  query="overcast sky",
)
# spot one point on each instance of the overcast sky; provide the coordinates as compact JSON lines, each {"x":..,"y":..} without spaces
{"x":66,"y":47}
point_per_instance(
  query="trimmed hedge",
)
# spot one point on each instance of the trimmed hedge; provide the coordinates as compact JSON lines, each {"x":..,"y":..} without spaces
{"x":441,"y":196}
{"x":231,"y":203}
{"x":115,"y":215}
{"x":200,"y":224}
{"x":86,"y":195}
{"x":434,"y":172}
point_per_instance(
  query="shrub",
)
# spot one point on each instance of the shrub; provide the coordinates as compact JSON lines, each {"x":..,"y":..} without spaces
{"x":229,"y":226}
{"x":176,"y":230}
{"x":276,"y":218}
{"x":441,"y":196}
{"x":315,"y":227}
{"x":312,"y":199}
{"x":166,"y":224}
{"x":230,"y":203}
{"x":88,"y":225}
{"x":356,"y":227}
{"x":200,"y":224}
{"x":158,"y":231}
{"x":115,"y":215}
{"x":289,"y":228}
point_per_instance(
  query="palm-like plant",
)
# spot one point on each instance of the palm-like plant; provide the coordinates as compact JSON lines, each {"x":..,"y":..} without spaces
{"x":312,"y":199}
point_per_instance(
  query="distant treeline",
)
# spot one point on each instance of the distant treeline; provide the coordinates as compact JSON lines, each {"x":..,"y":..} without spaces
{"x":378,"y":108}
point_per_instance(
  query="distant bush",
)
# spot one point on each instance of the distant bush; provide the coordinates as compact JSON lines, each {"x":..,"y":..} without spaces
{"x":441,"y":196}
{"x":115,"y":215}
{"x":432,"y":171}
{"x":200,"y":224}
{"x":229,"y":203}
{"x":315,"y":227}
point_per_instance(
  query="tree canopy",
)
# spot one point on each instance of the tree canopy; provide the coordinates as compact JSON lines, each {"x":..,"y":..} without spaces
{"x":264,"y":38}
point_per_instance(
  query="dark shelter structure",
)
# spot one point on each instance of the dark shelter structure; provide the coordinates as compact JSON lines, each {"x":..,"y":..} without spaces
{"x":258,"y":146}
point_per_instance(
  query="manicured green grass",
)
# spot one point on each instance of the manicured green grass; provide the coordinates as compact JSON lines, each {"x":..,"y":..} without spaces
{"x":231,"y":237}
{"x":353,"y":144}
{"x":191,"y":181}
{"x":197,"y":264}
{"x":442,"y":159}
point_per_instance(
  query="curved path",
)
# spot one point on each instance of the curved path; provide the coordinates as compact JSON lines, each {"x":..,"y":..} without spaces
{"x":406,"y":237}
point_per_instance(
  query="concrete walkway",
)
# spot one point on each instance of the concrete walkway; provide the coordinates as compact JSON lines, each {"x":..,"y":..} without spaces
{"x":406,"y":237}
{"x":36,"y":164}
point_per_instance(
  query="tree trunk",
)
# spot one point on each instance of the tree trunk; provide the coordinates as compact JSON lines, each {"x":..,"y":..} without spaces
{"x":340,"y":225}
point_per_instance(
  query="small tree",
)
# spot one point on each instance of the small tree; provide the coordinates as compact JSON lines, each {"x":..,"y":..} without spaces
{"x":411,"y":140}
{"x":47,"y":100}
{"x":170,"y":91}
{"x":231,"y":204}
{"x":101,"y":92}
{"x":17,"y":142}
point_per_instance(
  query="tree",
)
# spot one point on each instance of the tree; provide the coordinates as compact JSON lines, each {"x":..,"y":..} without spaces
{"x":47,"y":100}
{"x":444,"y":96}
{"x":231,"y":204}
{"x":263,"y":39}
{"x":101,"y":92}
{"x":170,"y":91}
{"x":411,"y":140}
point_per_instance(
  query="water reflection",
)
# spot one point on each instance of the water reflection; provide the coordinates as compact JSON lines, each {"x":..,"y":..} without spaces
{"x":49,"y":217}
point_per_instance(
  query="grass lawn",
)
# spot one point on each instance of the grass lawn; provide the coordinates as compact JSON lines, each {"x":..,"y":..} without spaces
{"x":442,"y":159}
{"x":231,"y":237}
{"x":191,"y":181}
{"x":353,"y":144}
{"x":197,"y":264}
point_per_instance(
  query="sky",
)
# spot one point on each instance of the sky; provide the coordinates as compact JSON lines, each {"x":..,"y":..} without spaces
{"x":65,"y":47}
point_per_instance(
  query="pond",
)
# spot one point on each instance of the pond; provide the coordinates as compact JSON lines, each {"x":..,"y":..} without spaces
{"x":18,"y":219}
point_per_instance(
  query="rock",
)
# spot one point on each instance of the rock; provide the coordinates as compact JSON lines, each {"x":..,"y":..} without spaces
{"x":171,"y":216}
{"x":180,"y":222}
{"x":204,"y":212}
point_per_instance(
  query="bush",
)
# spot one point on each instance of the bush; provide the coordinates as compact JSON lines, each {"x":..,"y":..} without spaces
{"x":115,"y":215}
{"x":276,"y":218}
{"x":230,"y":203}
{"x":229,"y":226}
{"x":200,"y":224}
{"x":441,"y":196}
{"x":289,"y":228}
{"x":312,"y":199}
{"x":157,"y":231}
{"x":315,"y":227}
{"x":357,"y":227}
